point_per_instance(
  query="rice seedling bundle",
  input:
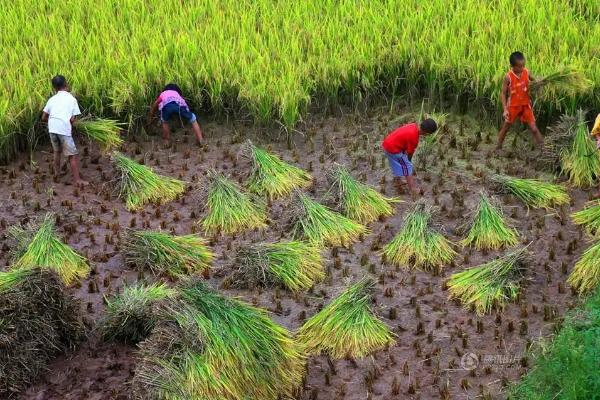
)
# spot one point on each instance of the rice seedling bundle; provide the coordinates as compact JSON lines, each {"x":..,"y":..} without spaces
{"x":358,"y":201}
{"x":322,"y":226}
{"x":581,"y":162}
{"x":45,"y":250}
{"x":585,"y":276}
{"x":231,"y":210}
{"x":589,"y":217}
{"x":490,"y":285}
{"x":488,"y":229}
{"x":106,"y":132}
{"x":139,"y":185}
{"x":292,"y":264}
{"x":558,"y":139}
{"x":130,"y":316}
{"x":163,"y":253}
{"x":417,"y":244}
{"x":347,"y":327}
{"x":271,"y":176}
{"x":533,"y":192}
{"x":567,"y":81}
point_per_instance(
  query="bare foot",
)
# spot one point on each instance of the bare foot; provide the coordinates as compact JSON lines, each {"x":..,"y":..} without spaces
{"x":82,"y":183}
{"x":166,"y":144}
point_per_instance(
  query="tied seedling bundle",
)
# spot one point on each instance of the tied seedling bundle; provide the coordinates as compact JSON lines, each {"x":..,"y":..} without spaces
{"x":45,"y":250}
{"x":322,"y":226}
{"x":291,"y":264}
{"x":358,"y":201}
{"x":229,"y":209}
{"x":217,"y":348}
{"x":271,"y":176}
{"x":490,"y":285}
{"x":417,"y":244}
{"x":106,"y":132}
{"x":585,"y":276}
{"x":567,"y":81}
{"x":533,"y":192}
{"x":558,"y":139}
{"x":139,"y":185}
{"x":581,"y":162}
{"x":163,"y":253}
{"x":589,"y":217}
{"x":488,"y":228}
{"x":130,"y":316}
{"x":347,"y":327}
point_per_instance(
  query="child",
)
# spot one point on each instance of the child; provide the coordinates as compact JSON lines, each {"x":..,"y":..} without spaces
{"x":515,"y":99}
{"x":170,"y":103}
{"x":60,"y":113}
{"x":399,"y":147}
{"x":596,"y":134}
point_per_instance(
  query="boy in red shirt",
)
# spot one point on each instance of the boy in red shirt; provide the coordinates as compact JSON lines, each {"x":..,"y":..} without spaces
{"x":399,"y":147}
{"x":515,"y":99}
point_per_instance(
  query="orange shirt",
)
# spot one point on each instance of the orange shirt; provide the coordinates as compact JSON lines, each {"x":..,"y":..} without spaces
{"x":518,"y":89}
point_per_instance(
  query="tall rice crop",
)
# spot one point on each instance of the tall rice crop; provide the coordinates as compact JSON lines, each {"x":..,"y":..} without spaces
{"x":322,"y":226}
{"x":106,"y":132}
{"x":581,"y":162}
{"x":347,"y":327}
{"x":490,"y":285}
{"x":488,"y":229}
{"x":589,"y":217}
{"x":45,"y":250}
{"x":231,"y":210}
{"x":358,"y":201}
{"x":417,"y":244}
{"x":533,"y":192}
{"x":271,"y":176}
{"x":163,"y":253}
{"x":139,"y":185}
{"x":567,"y":81}
{"x":585,"y":276}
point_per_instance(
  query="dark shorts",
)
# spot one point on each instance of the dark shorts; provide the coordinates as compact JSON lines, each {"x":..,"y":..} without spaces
{"x":173,"y":109}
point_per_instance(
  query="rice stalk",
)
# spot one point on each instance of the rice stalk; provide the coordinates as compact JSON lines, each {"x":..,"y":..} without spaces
{"x":589,"y":217}
{"x":581,"y":162}
{"x":567,"y":81}
{"x":558,"y":139}
{"x":533,"y":192}
{"x":106,"y":132}
{"x":585,"y":276}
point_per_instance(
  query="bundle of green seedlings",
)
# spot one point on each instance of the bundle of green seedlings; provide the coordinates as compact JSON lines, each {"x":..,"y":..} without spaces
{"x":585,"y":276}
{"x":589,"y":217}
{"x":271,"y":176}
{"x":358,"y":201}
{"x":568,"y":81}
{"x":208,"y":346}
{"x":140,"y":185}
{"x":292,"y":264}
{"x":488,"y":229}
{"x":38,"y":321}
{"x":558,"y":139}
{"x":347,"y":327}
{"x":492,"y":284}
{"x":130,"y":315}
{"x":417,"y":244}
{"x":533,"y":192}
{"x":45,"y":250}
{"x":106,"y":132}
{"x":581,"y":162}
{"x":231,"y":210}
{"x":162,"y":253}
{"x":322,"y":226}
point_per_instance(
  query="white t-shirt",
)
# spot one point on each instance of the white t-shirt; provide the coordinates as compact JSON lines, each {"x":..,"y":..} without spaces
{"x":61,"y":108}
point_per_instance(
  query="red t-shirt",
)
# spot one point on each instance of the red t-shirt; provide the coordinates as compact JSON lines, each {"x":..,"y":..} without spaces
{"x":403,"y":139}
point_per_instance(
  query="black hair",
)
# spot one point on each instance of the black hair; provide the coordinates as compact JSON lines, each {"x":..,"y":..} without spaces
{"x":516,"y":56}
{"x":173,"y":86}
{"x":428,"y":125}
{"x":59,"y":82}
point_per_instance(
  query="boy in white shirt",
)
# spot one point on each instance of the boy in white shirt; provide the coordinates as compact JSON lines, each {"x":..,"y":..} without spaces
{"x":60,"y":113}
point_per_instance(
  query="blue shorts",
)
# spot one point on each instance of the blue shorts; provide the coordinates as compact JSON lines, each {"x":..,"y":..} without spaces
{"x":173,"y":109}
{"x":400,"y":164}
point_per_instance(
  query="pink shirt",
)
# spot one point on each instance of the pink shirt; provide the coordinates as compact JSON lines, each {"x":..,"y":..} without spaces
{"x":170,"y":96}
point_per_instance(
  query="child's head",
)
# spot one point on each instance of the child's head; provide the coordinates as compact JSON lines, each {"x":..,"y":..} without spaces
{"x":517,"y":61}
{"x":59,"y":82}
{"x":173,"y":86}
{"x":428,"y":126}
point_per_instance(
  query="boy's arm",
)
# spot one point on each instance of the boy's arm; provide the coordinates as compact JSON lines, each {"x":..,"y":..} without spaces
{"x":504,"y":96}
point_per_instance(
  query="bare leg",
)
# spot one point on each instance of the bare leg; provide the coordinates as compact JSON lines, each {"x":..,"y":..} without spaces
{"x":74,"y":162}
{"x":166,"y":130}
{"x":537,"y":135}
{"x":197,"y":131}
{"x":502,"y":134}
{"x":56,"y":163}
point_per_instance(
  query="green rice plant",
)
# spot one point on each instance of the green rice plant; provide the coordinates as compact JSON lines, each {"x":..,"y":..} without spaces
{"x":47,"y":251}
{"x":585,"y":276}
{"x":347,"y":327}
{"x":492,"y":284}
{"x":10,"y":278}
{"x":488,"y":229}
{"x":106,"y":132}
{"x":231,"y":210}
{"x":417,"y":244}
{"x":271,"y":176}
{"x":322,"y":226}
{"x":163,"y":253}
{"x":589,"y":217}
{"x":291,"y":264}
{"x":557,"y":140}
{"x":581,"y":162}
{"x":533,"y":192}
{"x":567,"y":81}
{"x":358,"y":201}
{"x":130,"y":316}
{"x":140,"y":185}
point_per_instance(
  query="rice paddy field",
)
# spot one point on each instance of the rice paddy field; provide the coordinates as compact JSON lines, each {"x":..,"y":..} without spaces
{"x":278,"y":260}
